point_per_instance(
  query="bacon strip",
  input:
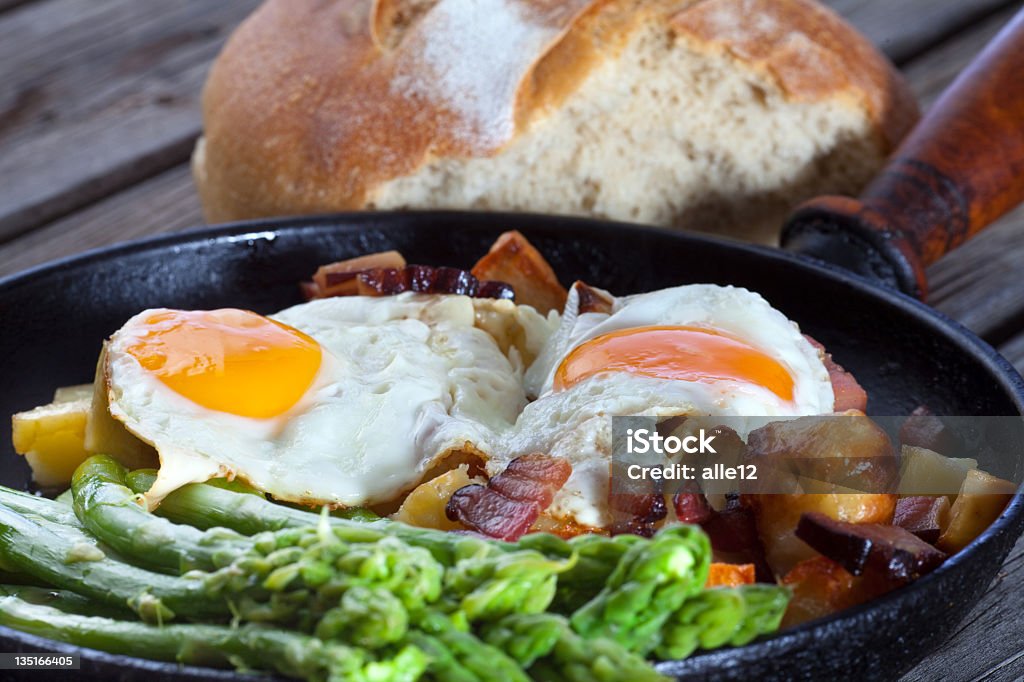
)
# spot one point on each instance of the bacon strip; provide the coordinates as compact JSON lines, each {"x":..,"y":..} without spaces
{"x":849,"y":394}
{"x":425,"y":279}
{"x":512,"y":501}
{"x":338,"y":279}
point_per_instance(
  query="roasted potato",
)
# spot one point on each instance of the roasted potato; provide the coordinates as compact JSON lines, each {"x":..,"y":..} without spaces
{"x":52,"y":439}
{"x":425,"y":505}
{"x":835,"y":457}
{"x":981,"y":500}
{"x":926,"y":472}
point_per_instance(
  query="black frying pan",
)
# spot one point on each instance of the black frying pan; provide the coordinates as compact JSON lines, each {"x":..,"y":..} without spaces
{"x":54,"y":317}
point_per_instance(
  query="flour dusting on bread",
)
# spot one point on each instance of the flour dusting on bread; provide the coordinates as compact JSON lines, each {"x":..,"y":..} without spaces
{"x":470,"y":56}
{"x":707,"y":114}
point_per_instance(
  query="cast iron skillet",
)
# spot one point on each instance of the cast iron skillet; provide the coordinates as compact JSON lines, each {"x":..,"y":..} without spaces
{"x":931,"y":197}
{"x":55,"y":317}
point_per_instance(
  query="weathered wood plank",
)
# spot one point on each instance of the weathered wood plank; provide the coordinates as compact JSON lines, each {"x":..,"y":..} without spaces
{"x":907,"y":28}
{"x":97,"y":96}
{"x":989,"y":643}
{"x":165,"y":203}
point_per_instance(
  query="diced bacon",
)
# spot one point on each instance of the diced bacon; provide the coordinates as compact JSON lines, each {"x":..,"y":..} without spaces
{"x":636,"y":513}
{"x":888,"y":551}
{"x":512,"y":501}
{"x":849,"y":394}
{"x":734,"y":538}
{"x":925,"y":517}
{"x":924,"y":430}
{"x":692,"y":507}
{"x":592,"y":300}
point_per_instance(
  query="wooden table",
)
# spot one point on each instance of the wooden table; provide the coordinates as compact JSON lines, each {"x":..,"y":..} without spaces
{"x":99,"y":111}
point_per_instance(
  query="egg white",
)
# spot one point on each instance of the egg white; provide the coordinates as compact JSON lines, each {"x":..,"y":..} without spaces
{"x":575,"y":423}
{"x":404,"y":380}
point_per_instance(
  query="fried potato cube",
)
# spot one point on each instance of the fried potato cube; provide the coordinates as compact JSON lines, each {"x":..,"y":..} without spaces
{"x":926,"y":472}
{"x":836,"y":457}
{"x":425,"y":505}
{"x":52,"y":439}
{"x":981,"y":500}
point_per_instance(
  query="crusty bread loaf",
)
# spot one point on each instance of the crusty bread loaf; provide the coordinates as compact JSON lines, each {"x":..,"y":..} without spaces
{"x":706,"y":114}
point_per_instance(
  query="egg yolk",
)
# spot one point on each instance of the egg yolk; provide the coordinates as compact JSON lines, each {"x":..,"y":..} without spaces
{"x":677,"y":353}
{"x":229,"y":360}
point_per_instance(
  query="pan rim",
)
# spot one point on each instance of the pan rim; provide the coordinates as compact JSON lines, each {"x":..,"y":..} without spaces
{"x":1010,"y":381}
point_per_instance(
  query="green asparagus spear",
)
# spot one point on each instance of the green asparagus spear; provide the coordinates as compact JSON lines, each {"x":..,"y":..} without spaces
{"x":596,"y":558}
{"x":765,"y":607}
{"x":56,"y":554}
{"x":546,"y":644}
{"x":650,"y":582}
{"x":41,"y":507}
{"x":204,"y":505}
{"x":707,"y":620}
{"x":68,"y":602}
{"x":576,"y":659}
{"x":247,"y":646}
{"x":113,"y":513}
{"x":459,"y":655}
{"x":720,"y":616}
{"x":494,"y":585}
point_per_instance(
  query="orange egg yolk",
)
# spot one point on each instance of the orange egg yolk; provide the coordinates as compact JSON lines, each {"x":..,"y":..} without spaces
{"x":677,"y":353}
{"x":229,"y":360}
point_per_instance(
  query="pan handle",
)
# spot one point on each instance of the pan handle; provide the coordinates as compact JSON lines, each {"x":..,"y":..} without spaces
{"x":960,"y":169}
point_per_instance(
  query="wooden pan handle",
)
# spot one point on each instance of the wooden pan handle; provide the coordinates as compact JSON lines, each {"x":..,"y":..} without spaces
{"x":959,"y":170}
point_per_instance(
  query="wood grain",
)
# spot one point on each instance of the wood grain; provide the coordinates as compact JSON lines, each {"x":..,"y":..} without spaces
{"x":989,"y":644}
{"x":165,"y":203}
{"x":96,"y":96}
{"x":99,"y":101}
{"x":906,"y":28}
{"x":6,"y":5}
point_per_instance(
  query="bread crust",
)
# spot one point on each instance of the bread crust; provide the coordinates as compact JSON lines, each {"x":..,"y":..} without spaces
{"x":314,"y":104}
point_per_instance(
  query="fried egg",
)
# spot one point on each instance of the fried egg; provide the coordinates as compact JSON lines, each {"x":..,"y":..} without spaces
{"x":344,"y":401}
{"x":689,"y":350}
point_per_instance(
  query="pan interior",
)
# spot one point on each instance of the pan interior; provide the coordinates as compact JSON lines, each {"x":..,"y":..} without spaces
{"x":54,"y":318}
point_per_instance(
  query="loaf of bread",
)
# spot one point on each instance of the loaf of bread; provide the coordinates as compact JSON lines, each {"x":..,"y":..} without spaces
{"x":702,"y":114}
